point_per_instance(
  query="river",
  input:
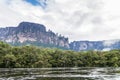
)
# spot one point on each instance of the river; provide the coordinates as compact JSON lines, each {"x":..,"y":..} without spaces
{"x":82,"y":73}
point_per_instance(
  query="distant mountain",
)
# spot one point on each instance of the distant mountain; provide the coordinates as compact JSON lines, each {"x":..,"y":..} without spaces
{"x":95,"y":45}
{"x":27,"y":33}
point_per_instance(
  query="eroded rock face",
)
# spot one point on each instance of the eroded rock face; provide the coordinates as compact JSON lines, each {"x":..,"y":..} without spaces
{"x":27,"y":33}
{"x":32,"y":33}
{"x":95,"y":45}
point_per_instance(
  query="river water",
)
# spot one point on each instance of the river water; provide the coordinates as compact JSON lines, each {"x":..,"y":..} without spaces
{"x":60,"y":73}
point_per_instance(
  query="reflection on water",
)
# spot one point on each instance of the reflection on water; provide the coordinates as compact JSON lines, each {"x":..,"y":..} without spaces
{"x":60,"y":74}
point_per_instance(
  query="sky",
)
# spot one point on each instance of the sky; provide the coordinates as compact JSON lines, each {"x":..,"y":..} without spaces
{"x":76,"y":19}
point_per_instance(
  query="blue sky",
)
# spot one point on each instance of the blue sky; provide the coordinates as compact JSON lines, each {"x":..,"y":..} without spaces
{"x":33,"y":2}
{"x":41,"y":3}
{"x":75,"y":19}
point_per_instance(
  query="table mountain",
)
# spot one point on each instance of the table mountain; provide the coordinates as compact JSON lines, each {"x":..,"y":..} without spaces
{"x":95,"y":45}
{"x":28,"y":33}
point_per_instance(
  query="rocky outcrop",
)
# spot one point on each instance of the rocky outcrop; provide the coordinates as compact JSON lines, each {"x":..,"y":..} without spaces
{"x":95,"y":45}
{"x":27,"y":33}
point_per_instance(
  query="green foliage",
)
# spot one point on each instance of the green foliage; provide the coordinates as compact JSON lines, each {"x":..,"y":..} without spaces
{"x":39,"y":44}
{"x":35,"y":57}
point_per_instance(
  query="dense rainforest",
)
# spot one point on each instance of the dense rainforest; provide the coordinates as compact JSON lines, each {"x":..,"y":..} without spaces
{"x":36,"y":57}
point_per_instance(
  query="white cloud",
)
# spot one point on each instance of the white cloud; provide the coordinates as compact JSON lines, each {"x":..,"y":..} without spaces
{"x":110,"y":42}
{"x":76,"y":19}
{"x":106,"y":49}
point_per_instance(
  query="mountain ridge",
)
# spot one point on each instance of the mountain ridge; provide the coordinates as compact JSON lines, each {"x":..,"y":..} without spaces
{"x":29,"y":33}
{"x":102,"y":45}
{"x":32,"y":33}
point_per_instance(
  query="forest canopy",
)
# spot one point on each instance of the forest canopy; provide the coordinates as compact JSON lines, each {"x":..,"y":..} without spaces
{"x":37,"y":57}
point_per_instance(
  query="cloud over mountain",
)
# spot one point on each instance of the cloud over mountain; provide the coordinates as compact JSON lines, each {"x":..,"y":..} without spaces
{"x":76,"y":19}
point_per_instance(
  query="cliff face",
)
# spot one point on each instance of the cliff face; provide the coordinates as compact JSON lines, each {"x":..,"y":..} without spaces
{"x":86,"y":45}
{"x":27,"y":33}
{"x":95,"y":45}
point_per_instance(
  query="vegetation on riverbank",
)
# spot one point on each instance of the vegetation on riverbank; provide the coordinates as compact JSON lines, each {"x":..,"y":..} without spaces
{"x":34,"y":57}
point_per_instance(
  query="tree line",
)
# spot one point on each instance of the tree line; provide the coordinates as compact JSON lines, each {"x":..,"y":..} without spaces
{"x":36,"y":57}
